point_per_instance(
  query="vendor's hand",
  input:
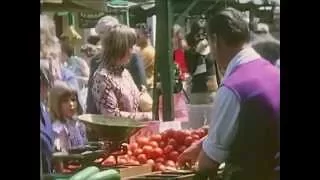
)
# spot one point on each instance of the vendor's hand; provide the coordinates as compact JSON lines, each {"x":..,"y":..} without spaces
{"x":190,"y":155}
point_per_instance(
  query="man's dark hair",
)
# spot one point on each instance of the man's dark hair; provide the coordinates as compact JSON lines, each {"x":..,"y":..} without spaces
{"x":67,"y":48}
{"x":196,"y":26}
{"x":230,"y":25}
{"x":93,"y":40}
{"x":269,"y":50}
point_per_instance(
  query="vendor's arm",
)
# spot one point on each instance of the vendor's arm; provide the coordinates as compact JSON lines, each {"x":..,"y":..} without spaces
{"x":223,"y":127}
{"x":108,"y":104}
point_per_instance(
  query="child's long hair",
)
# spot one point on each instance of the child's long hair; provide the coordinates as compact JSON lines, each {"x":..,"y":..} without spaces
{"x":58,"y":92}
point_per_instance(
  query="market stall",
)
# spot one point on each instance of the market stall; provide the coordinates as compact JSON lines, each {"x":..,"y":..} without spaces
{"x":121,"y":148}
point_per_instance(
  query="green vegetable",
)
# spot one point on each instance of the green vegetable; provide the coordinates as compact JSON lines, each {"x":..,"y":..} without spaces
{"x":85,"y":173}
{"x":110,"y":174}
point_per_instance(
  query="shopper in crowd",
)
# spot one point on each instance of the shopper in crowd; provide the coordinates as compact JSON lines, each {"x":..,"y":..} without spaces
{"x":179,"y":47}
{"x":69,"y":132}
{"x":113,"y":89}
{"x":200,"y":65}
{"x":244,"y":132}
{"x":46,"y":134}
{"x":78,"y":66}
{"x":50,"y":53}
{"x":147,"y":53}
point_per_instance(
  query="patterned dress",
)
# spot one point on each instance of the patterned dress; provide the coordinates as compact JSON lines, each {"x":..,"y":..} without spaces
{"x":115,"y":93}
{"x":68,"y":135}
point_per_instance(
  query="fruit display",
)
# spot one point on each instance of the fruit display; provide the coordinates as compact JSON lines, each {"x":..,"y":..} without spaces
{"x":159,"y":150}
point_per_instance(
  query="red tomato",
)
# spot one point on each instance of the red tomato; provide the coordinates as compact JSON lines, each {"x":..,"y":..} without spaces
{"x":173,"y":155}
{"x":151,"y":162}
{"x":129,"y":153}
{"x":157,"y":152}
{"x":162,"y":144}
{"x":147,"y":149}
{"x":110,"y":161}
{"x":160,"y":160}
{"x":170,"y":163}
{"x":188,"y":141}
{"x":187,"y":132}
{"x":154,"y":144}
{"x":172,"y":142}
{"x":133,"y":146}
{"x":156,"y":137}
{"x":179,"y":136}
{"x":164,"y":136}
{"x":160,"y":167}
{"x":133,"y":158}
{"x":182,"y":148}
{"x":170,"y":133}
{"x":195,"y":137}
{"x":142,"y":141}
{"x":137,"y":151}
{"x":142,"y":158}
{"x":168,"y":149}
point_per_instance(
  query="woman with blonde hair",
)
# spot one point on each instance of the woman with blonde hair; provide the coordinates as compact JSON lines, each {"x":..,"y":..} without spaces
{"x":179,"y":46}
{"x":114,"y":91}
{"x":50,"y":53}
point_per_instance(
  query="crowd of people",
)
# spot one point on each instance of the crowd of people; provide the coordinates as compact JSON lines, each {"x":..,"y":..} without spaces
{"x":115,"y":71}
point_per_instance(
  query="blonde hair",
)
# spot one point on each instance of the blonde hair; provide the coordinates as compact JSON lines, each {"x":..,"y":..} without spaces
{"x":177,"y":32}
{"x":116,"y":43}
{"x":59,"y":90}
{"x":49,"y":46}
{"x":49,"y":43}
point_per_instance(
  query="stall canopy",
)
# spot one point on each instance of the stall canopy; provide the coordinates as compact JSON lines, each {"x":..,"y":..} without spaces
{"x":73,"y":5}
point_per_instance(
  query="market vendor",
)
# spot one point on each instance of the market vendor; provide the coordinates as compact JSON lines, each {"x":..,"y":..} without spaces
{"x":244,"y":132}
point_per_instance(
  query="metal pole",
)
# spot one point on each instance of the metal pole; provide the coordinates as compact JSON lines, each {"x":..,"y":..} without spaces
{"x":164,"y":56}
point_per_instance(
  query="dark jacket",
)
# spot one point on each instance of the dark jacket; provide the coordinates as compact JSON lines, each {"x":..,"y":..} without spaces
{"x":199,"y":81}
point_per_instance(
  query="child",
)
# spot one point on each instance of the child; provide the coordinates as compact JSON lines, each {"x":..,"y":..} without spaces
{"x":64,"y":107}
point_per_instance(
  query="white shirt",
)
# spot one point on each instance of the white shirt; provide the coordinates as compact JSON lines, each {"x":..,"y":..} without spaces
{"x":278,"y":63}
{"x":226,"y":108}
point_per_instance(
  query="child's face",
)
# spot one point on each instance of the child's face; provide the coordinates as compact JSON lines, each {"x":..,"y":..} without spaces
{"x":69,"y":106}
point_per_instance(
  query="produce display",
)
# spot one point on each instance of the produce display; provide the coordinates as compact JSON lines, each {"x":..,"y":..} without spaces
{"x":159,"y":150}
{"x":93,"y":173}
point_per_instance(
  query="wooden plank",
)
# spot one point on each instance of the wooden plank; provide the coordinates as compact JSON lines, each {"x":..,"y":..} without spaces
{"x":52,"y":1}
{"x":134,"y":170}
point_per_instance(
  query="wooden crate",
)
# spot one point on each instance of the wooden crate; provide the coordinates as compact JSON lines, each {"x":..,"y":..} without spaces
{"x":163,"y":176}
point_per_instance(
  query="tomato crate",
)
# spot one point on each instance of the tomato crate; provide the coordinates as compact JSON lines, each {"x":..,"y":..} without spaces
{"x":165,"y":175}
{"x":155,"y":127}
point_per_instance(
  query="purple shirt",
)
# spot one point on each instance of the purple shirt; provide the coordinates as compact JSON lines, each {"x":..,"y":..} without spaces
{"x":71,"y":134}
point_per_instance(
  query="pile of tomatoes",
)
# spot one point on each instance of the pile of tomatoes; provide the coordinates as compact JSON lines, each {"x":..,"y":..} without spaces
{"x":159,"y":150}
